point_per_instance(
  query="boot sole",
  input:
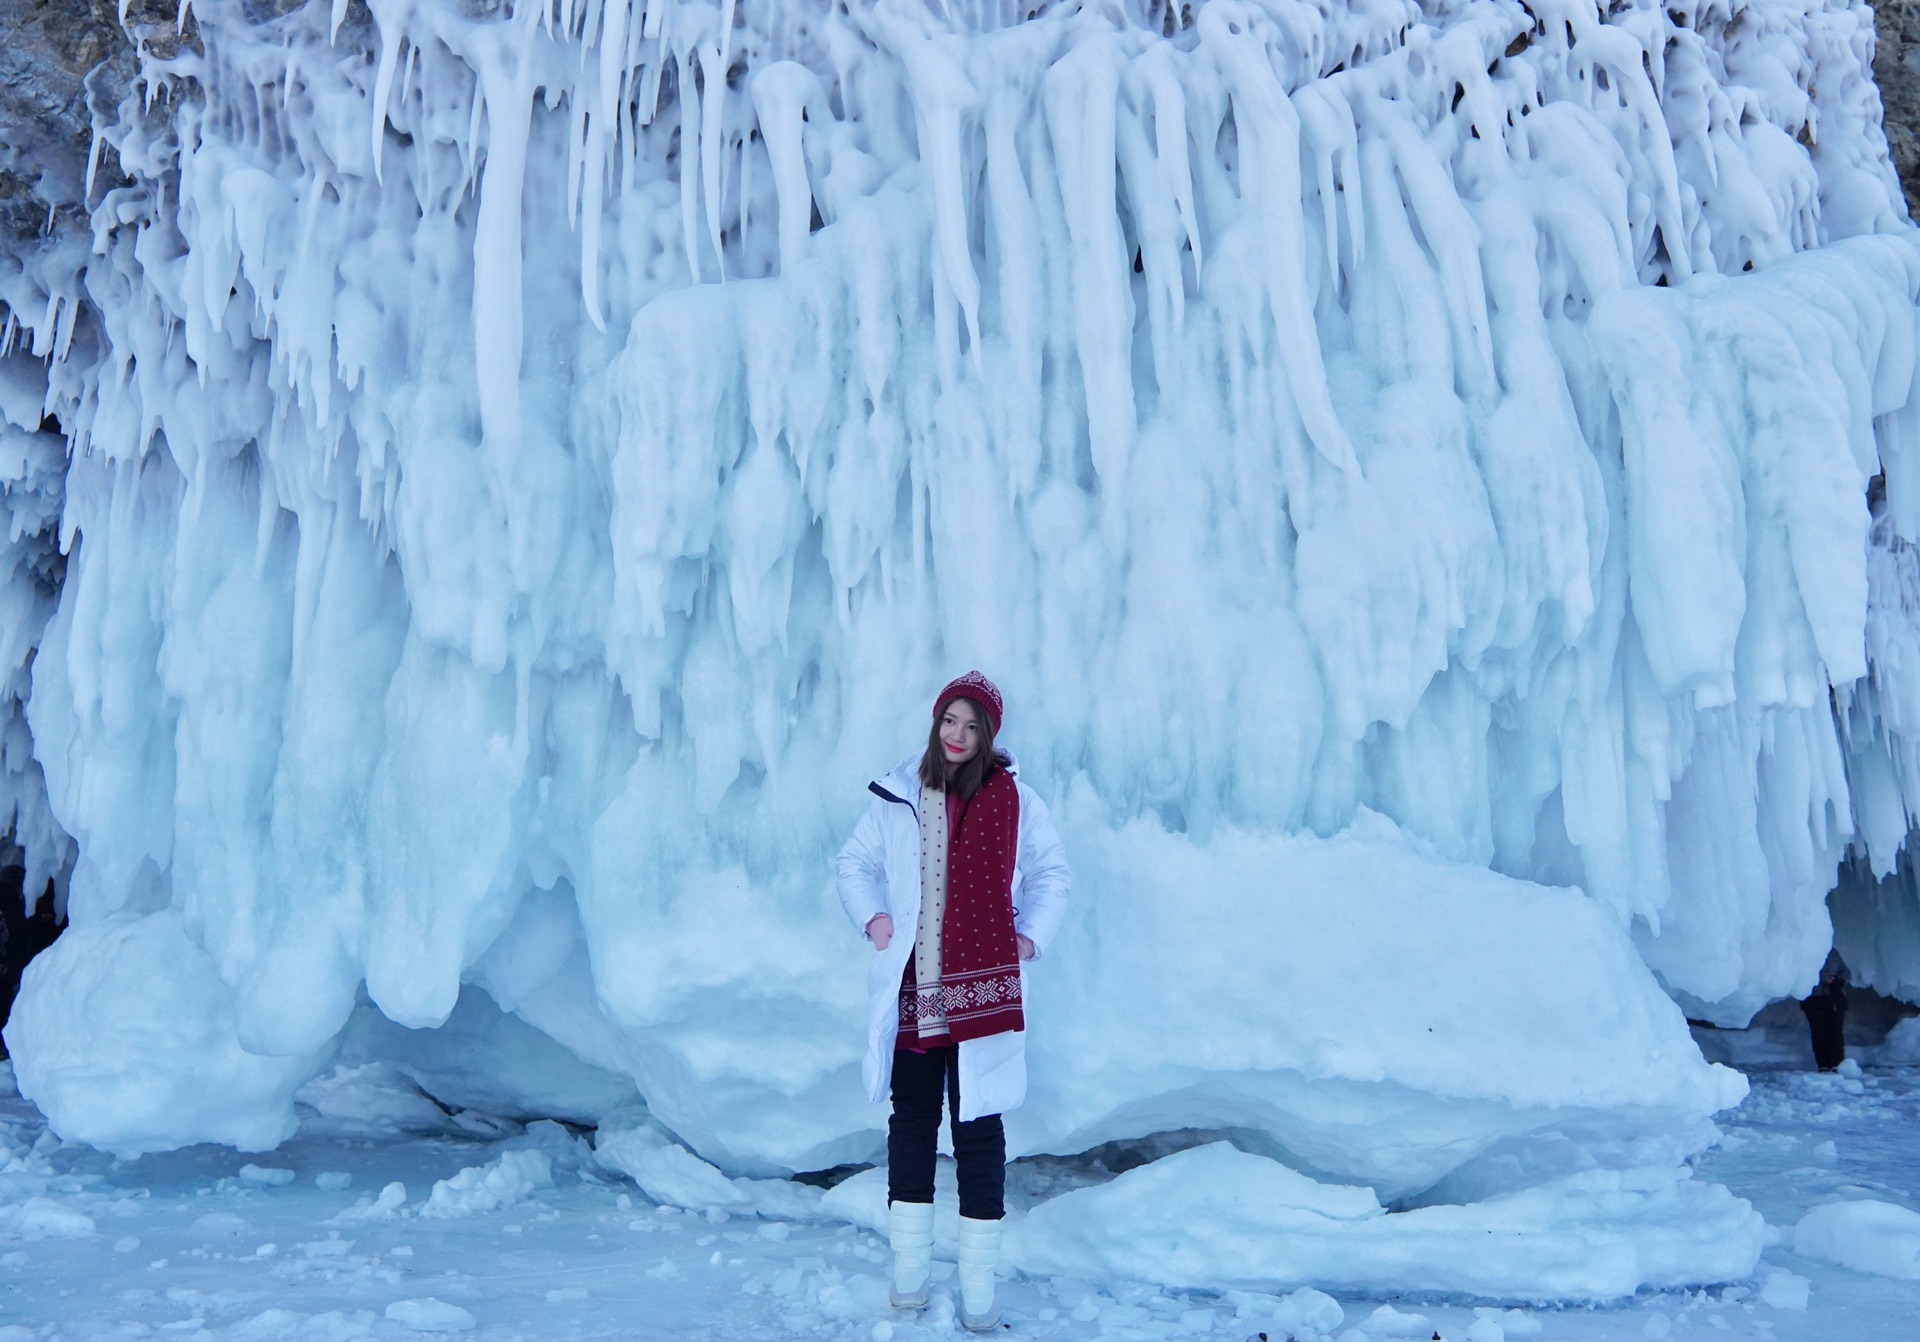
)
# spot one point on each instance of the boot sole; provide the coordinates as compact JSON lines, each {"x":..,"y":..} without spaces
{"x":980,"y":1323}
{"x":915,"y":1301}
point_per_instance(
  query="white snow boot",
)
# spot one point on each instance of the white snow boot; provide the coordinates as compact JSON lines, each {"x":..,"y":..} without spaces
{"x":910,"y":1230}
{"x":979,"y":1256}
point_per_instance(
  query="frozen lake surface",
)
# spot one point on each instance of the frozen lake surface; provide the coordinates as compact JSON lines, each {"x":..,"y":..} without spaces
{"x":209,"y":1243}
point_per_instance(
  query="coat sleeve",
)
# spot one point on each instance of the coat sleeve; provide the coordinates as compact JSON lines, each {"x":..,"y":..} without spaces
{"x":1040,"y":901}
{"x":861,"y":870}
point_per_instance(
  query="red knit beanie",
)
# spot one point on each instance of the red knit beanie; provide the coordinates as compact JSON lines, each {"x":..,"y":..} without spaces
{"x":976,"y":687}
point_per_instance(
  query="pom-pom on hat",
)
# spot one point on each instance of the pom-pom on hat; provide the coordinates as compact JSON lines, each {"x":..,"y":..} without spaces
{"x":976,"y":687}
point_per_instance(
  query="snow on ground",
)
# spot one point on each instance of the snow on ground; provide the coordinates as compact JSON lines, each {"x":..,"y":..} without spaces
{"x":311,"y":1242}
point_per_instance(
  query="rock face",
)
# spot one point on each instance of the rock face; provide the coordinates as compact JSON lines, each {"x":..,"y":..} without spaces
{"x":47,"y":50}
{"x":1896,"y":69}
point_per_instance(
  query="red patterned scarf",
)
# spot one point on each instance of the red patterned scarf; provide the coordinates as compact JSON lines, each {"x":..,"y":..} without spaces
{"x":979,"y":985}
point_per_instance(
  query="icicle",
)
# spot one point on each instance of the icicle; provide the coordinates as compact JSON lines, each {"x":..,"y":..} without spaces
{"x":1157,"y":231}
{"x":1454,"y":239}
{"x":688,"y":98}
{"x":388,"y":16}
{"x":783,"y":93}
{"x":712,"y":146}
{"x":470,"y":147}
{"x":945,"y":100}
{"x":649,"y":96}
{"x":595,"y":169}
{"x":746,"y":192}
{"x":507,"y":82}
{"x":43,"y":333}
{"x":1023,"y":303}
{"x":1330,"y":126}
{"x":1270,"y":139}
{"x":406,"y":75}
{"x":615,"y":59}
{"x":1155,"y":67}
{"x":576,"y":157}
{"x":1081,"y":91}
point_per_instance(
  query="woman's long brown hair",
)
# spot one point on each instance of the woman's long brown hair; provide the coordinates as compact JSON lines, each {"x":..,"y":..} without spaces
{"x":961,"y":779}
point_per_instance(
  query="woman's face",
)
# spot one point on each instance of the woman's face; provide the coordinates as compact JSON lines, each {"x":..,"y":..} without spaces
{"x":959,"y":731}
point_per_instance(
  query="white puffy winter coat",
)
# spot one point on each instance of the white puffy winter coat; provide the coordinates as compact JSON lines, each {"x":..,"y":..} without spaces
{"x":879,"y":872}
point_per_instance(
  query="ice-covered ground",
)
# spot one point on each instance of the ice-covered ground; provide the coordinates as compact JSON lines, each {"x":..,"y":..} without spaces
{"x":203,"y":1243}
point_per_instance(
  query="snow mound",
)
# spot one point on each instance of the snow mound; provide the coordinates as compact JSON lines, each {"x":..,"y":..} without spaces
{"x":222,"y":1228}
{"x":1386,"y":1321}
{"x":509,"y":1178}
{"x":284,"y":1325}
{"x":665,"y":1170}
{"x":633,"y":1144}
{"x":1215,"y":1218}
{"x":383,"y":1208}
{"x":428,"y":1315}
{"x":1305,"y":1312}
{"x":1874,"y":1237}
{"x":1901,"y":1048}
{"x":45,"y":1218}
{"x":1786,"y":1290}
{"x":371,"y":1097}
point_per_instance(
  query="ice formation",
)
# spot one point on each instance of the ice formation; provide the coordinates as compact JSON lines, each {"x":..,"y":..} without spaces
{"x":1400,"y":460}
{"x":1882,"y":1238}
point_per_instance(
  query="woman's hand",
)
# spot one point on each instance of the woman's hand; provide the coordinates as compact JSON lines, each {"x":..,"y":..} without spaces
{"x":1026,"y":945}
{"x":880,"y":931}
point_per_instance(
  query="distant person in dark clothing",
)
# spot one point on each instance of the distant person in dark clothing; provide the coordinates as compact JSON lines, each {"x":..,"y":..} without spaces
{"x":1826,"y":1008}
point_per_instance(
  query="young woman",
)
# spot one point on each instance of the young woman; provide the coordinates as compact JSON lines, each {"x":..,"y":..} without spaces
{"x":956,"y":876}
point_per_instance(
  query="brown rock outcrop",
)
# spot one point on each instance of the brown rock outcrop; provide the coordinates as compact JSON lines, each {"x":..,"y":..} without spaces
{"x":1896,"y":69}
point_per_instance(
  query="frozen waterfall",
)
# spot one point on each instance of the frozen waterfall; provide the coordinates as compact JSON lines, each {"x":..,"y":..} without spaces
{"x":1434,"y":479}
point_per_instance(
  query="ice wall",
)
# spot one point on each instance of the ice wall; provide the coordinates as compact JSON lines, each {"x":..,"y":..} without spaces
{"x":532,"y":464}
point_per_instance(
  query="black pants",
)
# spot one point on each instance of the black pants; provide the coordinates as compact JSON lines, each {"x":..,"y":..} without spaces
{"x":979,"y":1147}
{"x":1827,"y":1020}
